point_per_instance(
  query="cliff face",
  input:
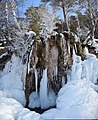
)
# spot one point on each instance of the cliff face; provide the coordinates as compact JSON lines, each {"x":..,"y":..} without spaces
{"x":55,"y":55}
{"x":46,"y":65}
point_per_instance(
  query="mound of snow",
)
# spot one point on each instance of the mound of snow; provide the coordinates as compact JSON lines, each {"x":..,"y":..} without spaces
{"x":78,"y":99}
{"x":75,"y":100}
{"x":10,"y":109}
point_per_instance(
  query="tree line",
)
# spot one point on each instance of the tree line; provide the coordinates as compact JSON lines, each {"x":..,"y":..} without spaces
{"x":80,"y":17}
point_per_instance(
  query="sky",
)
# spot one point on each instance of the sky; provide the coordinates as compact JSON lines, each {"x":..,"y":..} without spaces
{"x":28,"y":3}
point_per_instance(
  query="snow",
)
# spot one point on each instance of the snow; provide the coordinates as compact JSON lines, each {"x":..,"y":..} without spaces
{"x":22,"y":44}
{"x":75,"y":100}
{"x":31,"y":33}
{"x":78,"y":99}
{"x":3,"y":55}
{"x":77,"y":39}
{"x":10,"y":109}
{"x":90,"y":67}
{"x":95,"y":44}
{"x":11,"y":81}
{"x":12,"y":84}
{"x":86,"y":52}
{"x":48,"y":23}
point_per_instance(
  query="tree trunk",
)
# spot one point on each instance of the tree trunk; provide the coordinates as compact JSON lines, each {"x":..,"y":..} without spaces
{"x":64,"y":13}
{"x":14,"y":14}
{"x":6,"y":9}
{"x":91,"y":19}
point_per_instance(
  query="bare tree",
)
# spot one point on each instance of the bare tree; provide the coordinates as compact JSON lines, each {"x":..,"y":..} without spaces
{"x":14,"y":14}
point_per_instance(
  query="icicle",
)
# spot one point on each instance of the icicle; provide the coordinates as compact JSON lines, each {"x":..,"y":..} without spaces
{"x":23,"y":76}
{"x":73,"y":66}
{"x":28,"y":67}
{"x":74,"y":56}
{"x":86,"y":52}
{"x":74,"y":53}
{"x":36,"y":79}
{"x":68,"y":48}
{"x":43,"y":90}
{"x":29,"y":60}
{"x":63,"y":81}
{"x":55,"y":71}
{"x":75,"y":48}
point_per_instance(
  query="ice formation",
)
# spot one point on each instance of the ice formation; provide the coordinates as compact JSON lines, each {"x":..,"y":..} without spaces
{"x":45,"y":98}
{"x":78,"y":99}
{"x":12,"y":79}
{"x":36,"y":80}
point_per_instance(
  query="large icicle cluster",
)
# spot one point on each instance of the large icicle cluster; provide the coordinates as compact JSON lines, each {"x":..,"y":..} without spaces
{"x":49,"y":64}
{"x":45,"y":98}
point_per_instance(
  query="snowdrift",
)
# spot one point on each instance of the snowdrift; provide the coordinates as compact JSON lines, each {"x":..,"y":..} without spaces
{"x":75,"y":100}
{"x":10,"y":109}
{"x":78,"y":99}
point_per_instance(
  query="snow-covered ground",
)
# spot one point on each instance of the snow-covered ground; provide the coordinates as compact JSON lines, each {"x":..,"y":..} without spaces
{"x":10,"y":109}
{"x":75,"y":100}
